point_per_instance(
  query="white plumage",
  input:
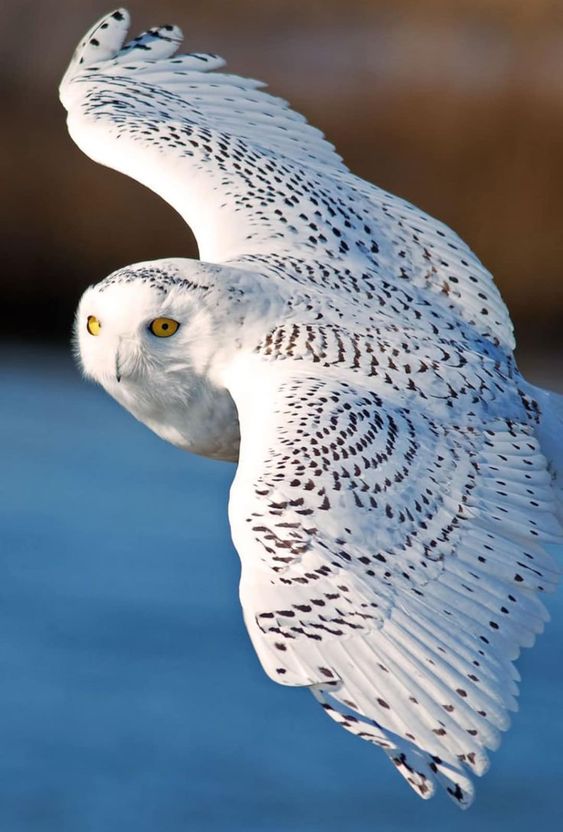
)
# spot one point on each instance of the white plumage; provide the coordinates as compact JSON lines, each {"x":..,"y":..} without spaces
{"x":398,"y":480}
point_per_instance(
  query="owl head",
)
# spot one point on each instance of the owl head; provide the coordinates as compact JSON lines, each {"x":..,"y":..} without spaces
{"x":155,"y":335}
{"x":143,"y":321}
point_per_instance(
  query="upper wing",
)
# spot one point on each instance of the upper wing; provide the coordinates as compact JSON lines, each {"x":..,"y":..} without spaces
{"x":224,"y":154}
{"x":391,"y":558}
{"x":253,"y":180}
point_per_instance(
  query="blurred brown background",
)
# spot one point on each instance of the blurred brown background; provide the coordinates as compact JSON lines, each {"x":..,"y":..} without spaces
{"x":455,"y":105}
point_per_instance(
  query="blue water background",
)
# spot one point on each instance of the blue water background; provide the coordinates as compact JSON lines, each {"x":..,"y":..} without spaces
{"x":130,"y":697}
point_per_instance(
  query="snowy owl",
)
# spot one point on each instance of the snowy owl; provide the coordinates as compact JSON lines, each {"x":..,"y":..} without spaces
{"x":399,"y":483}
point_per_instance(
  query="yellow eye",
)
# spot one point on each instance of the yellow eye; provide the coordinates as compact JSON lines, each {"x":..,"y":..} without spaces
{"x":93,"y":325}
{"x":163,"y":327}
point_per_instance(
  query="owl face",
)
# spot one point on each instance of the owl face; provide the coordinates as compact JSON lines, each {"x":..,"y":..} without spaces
{"x":125,"y":330}
{"x":150,"y":335}
{"x":138,"y":325}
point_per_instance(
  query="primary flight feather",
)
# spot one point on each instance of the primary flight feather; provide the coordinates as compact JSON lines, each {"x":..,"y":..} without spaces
{"x":398,"y":483}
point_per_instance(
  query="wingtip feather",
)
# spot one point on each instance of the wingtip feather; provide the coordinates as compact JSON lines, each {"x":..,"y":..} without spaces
{"x":102,"y":41}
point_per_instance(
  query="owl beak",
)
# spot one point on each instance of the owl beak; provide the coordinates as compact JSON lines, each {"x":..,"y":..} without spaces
{"x":117,"y":367}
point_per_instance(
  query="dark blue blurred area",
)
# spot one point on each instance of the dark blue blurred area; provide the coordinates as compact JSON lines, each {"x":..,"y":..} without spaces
{"x":130,"y":696}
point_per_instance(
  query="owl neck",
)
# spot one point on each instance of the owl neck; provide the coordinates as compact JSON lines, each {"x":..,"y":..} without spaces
{"x":201,"y":419}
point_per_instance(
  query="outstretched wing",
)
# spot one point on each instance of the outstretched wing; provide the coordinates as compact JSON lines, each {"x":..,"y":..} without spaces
{"x":223,"y":153}
{"x":392,"y":558}
{"x":253,"y":180}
